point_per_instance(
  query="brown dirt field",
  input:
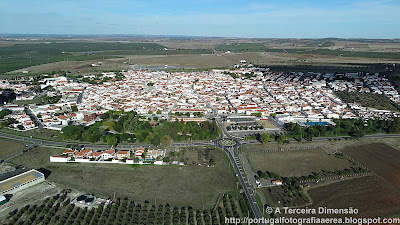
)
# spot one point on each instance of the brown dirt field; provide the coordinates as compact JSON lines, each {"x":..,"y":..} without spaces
{"x":8,"y":147}
{"x":205,"y":61}
{"x":178,"y":186}
{"x":296,"y":162}
{"x":185,"y":44}
{"x":371,"y":195}
{"x":380,"y":158}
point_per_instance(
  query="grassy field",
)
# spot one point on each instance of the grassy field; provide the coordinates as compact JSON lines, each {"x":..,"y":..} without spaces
{"x":295,"y":162}
{"x":380,"y":158}
{"x":372,"y":196}
{"x":369,"y":100}
{"x":316,"y":50}
{"x":70,"y":55}
{"x":193,"y":62}
{"x":180,"y":186}
{"x":242,"y":47}
{"x":19,"y":56}
{"x":9,"y":147}
{"x":39,"y":100}
{"x":42,"y":133}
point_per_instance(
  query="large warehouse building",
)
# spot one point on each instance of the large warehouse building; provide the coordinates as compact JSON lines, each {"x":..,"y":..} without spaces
{"x":21,"y":181}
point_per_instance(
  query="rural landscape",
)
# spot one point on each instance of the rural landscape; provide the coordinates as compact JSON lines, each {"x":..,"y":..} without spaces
{"x":199,"y":113}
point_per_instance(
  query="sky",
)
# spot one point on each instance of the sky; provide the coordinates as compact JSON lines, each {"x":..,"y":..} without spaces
{"x":216,"y":18}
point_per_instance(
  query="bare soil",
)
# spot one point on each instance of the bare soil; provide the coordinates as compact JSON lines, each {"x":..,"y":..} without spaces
{"x":178,"y":186}
{"x":371,"y":195}
{"x":380,"y":158}
{"x":296,"y":162}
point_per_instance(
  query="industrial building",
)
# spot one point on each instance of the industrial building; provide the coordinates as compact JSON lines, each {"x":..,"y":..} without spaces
{"x":16,"y":183}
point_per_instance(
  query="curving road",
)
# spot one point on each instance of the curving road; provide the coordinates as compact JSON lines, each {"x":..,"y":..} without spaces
{"x":232,"y":153}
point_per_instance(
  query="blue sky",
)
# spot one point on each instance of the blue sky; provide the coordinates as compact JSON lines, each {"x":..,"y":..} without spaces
{"x":224,"y":18}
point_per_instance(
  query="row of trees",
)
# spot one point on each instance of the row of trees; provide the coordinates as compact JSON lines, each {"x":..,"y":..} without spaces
{"x":59,"y":210}
{"x":266,"y":138}
{"x":130,"y":127}
{"x":344,"y":127}
{"x":295,"y":181}
{"x":94,"y":134}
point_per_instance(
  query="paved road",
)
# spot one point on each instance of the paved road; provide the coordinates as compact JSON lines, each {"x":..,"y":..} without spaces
{"x":63,"y":144}
{"x":341,"y":137}
{"x":247,"y":169}
{"x":232,"y":153}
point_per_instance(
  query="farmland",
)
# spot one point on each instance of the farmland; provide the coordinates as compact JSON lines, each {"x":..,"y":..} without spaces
{"x":296,"y":162}
{"x":77,"y":54}
{"x":371,"y":195}
{"x":163,"y":184}
{"x":261,"y":47}
{"x":9,"y":147}
{"x":58,"y":210}
{"x":19,"y":56}
{"x":380,"y":158}
{"x":369,"y":100}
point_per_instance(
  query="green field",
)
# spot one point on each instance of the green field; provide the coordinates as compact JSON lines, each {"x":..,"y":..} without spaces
{"x":8,"y":147}
{"x":20,"y":56}
{"x":242,"y":47}
{"x":259,"y":47}
{"x":180,"y":186}
{"x":42,"y":133}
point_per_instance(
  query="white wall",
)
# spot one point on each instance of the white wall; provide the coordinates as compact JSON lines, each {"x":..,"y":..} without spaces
{"x":58,"y":159}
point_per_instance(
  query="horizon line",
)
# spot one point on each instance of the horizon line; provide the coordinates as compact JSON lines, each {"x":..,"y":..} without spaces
{"x":187,"y":36}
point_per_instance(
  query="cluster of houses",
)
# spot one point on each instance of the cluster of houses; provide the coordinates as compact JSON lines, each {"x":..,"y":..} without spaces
{"x":245,"y":91}
{"x":23,"y":121}
{"x":138,"y":156}
{"x":369,"y":113}
{"x":370,"y":83}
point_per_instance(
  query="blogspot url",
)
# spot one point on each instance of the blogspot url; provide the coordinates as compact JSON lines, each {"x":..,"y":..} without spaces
{"x":312,"y":220}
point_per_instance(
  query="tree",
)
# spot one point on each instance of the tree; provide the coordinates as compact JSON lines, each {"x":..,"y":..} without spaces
{"x":73,"y":131}
{"x":109,"y":124}
{"x":74,"y":108}
{"x":155,"y":140}
{"x":265,"y":138}
{"x":150,"y":112}
{"x":4,"y":113}
{"x":165,"y":140}
{"x":158,"y":112}
{"x":112,"y":141}
{"x":118,"y":127}
{"x":281,"y":139}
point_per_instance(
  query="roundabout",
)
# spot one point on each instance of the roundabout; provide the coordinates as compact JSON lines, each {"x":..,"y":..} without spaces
{"x":227,"y":142}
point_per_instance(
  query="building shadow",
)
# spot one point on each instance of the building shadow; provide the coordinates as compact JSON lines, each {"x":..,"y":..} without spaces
{"x":46,"y":172}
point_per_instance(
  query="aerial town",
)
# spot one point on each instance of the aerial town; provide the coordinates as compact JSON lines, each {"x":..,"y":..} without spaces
{"x":199,"y":113}
{"x":291,"y":97}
